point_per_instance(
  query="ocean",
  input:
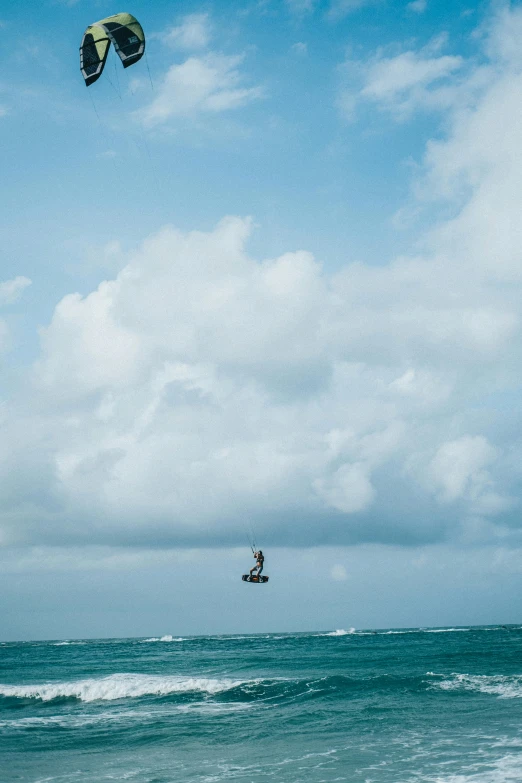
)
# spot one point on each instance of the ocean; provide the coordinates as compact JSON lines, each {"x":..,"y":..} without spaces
{"x":391,"y":706}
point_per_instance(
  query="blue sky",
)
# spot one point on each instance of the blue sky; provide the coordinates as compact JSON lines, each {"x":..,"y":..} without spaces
{"x":267,"y":276}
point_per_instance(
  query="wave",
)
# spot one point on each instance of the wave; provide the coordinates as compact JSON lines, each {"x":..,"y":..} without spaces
{"x":118,"y":718}
{"x":271,"y":636}
{"x":66,"y":643}
{"x":502,"y":770}
{"x":275,"y":638}
{"x":166,"y":638}
{"x":409,"y":631}
{"x":119,"y":686}
{"x":503,"y":686}
{"x":187,"y":690}
{"x":131,"y":686}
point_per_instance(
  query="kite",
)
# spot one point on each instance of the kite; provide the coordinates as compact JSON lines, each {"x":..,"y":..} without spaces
{"x":123,"y":31}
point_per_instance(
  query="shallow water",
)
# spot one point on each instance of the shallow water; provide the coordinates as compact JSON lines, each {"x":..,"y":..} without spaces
{"x":401,"y":706}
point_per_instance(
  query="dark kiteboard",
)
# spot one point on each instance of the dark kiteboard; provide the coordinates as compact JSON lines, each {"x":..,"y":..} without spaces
{"x":259,"y":580}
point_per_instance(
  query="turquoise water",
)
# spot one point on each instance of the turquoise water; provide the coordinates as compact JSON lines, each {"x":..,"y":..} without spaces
{"x":438,"y":705}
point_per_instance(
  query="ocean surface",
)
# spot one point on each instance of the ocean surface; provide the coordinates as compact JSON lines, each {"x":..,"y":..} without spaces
{"x":403,"y":706}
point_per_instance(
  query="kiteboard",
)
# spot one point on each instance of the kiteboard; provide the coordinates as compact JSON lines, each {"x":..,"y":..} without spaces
{"x":257,"y":579}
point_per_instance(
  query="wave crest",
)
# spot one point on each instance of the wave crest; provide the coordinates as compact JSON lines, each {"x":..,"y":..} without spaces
{"x":167,"y":638}
{"x":119,"y":686}
{"x":503,"y":686}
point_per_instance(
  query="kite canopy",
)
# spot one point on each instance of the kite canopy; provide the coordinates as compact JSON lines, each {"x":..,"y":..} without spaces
{"x":127,"y":36}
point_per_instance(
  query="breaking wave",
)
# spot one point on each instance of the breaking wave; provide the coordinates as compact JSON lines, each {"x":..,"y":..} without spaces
{"x":119,"y":686}
{"x":67,"y":643}
{"x":129,"y":686}
{"x":167,"y":638}
{"x":503,"y":686}
{"x":506,"y":769}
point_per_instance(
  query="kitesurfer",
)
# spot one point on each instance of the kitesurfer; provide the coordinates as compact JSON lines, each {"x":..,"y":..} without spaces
{"x":260,"y":559}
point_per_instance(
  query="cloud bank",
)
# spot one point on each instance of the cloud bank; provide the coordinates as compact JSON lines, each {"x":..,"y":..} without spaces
{"x":202,"y":387}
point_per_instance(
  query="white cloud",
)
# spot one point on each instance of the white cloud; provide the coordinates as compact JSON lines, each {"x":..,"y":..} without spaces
{"x":460,"y":467}
{"x":106,"y":155}
{"x":418,"y":6}
{"x":206,"y":85}
{"x":4,"y":344}
{"x":11,"y":290}
{"x":349,"y":489}
{"x":338,"y":573}
{"x":392,"y":77}
{"x":301,"y":6}
{"x":300,"y":48}
{"x":502,"y":33}
{"x":341,"y":8}
{"x":193,"y":33}
{"x":423,"y":386}
{"x":200,"y":386}
{"x":405,"y":82}
{"x":99,"y":349}
{"x":477,"y":166}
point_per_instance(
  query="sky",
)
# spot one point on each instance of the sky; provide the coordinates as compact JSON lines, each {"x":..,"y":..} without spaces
{"x":267,"y":281}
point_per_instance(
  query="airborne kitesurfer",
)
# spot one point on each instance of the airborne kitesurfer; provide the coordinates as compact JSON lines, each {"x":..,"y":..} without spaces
{"x":260,"y":559}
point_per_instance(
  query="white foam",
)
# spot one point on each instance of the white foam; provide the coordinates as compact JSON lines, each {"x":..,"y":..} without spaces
{"x":410,"y":630}
{"x":63,"y":644}
{"x":239,"y":638}
{"x":507,"y":769}
{"x":503,"y":686}
{"x":71,"y":721}
{"x":120,"y":686}
{"x":339,"y":632}
{"x":166,"y":638}
{"x":74,"y":721}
